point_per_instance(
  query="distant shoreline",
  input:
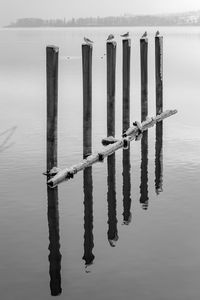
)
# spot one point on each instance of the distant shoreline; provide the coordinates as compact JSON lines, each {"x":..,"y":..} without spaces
{"x":170,"y":20}
{"x":100,"y":26}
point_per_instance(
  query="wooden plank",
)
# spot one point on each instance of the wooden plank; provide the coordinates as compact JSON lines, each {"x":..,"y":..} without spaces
{"x":131,"y":134}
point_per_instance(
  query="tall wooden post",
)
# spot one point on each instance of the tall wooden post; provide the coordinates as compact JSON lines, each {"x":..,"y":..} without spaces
{"x":87,"y":98}
{"x":159,"y":73}
{"x":126,"y":84}
{"x":144,"y":77}
{"x":111,"y":70}
{"x":52,"y":104}
{"x":88,"y":256}
{"x":54,"y":242}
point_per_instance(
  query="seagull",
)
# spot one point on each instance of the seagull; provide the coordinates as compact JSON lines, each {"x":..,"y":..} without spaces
{"x":144,"y":35}
{"x":88,"y":41}
{"x":125,"y":34}
{"x":110,"y":37}
{"x":157,"y":33}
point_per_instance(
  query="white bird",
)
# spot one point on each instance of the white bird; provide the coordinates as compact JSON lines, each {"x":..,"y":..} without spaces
{"x":157,"y":33}
{"x":125,"y":34}
{"x":110,"y":37}
{"x":88,"y":41}
{"x":144,"y":35}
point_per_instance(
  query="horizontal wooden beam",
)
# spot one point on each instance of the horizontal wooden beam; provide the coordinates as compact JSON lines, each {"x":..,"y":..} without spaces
{"x":130,"y":135}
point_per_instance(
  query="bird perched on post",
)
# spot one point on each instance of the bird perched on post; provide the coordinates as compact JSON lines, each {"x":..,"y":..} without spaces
{"x":125,"y":35}
{"x":88,"y":41}
{"x":157,"y":33}
{"x":110,"y":37}
{"x":144,"y":35}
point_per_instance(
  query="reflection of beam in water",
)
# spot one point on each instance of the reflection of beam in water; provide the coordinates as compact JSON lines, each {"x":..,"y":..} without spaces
{"x":88,"y":217}
{"x":144,"y":171}
{"x":126,"y":187}
{"x":111,"y":198}
{"x":7,"y":134}
{"x":159,"y":158}
{"x":54,"y":242}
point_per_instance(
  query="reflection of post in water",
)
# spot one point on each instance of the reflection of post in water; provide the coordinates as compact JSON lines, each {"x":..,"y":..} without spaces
{"x":111,"y":198}
{"x":54,"y":242}
{"x":159,"y":158}
{"x":126,"y":187}
{"x":88,"y":217}
{"x":144,"y":171}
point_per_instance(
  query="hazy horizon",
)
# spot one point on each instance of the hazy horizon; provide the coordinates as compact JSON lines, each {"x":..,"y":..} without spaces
{"x":11,"y":10}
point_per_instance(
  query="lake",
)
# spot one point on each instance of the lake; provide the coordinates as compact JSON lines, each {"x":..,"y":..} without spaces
{"x":125,"y":228}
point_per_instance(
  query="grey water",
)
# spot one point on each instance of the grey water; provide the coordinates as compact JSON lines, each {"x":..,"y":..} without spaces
{"x":125,"y":228}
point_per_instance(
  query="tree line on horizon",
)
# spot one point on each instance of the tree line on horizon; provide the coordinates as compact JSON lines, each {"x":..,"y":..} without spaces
{"x":145,"y":20}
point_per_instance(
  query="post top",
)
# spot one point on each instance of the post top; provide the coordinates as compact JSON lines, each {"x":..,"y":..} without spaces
{"x":112,"y":43}
{"x":55,"y":48}
{"x":87,"y":44}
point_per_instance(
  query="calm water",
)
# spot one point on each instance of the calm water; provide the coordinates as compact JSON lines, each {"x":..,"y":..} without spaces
{"x":157,"y":251}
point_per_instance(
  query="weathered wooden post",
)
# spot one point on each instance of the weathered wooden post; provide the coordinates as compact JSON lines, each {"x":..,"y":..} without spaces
{"x":144,"y":171}
{"x":87,"y":99}
{"x":88,"y":256}
{"x":126,"y":84}
{"x":111,"y":71}
{"x":112,"y":203}
{"x":126,"y":187}
{"x":144,"y":77}
{"x":159,"y":158}
{"x":52,"y":104}
{"x":54,"y":242}
{"x":159,"y":73}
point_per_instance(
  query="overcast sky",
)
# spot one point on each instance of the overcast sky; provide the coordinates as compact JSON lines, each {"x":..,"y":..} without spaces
{"x":10,"y":10}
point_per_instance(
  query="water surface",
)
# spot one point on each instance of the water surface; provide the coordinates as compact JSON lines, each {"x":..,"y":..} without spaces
{"x":136,"y":216}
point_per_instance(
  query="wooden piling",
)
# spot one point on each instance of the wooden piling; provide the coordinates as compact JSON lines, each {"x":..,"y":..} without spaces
{"x":144,"y":77}
{"x":159,"y":158}
{"x":159,"y":73}
{"x":88,"y":256}
{"x":126,"y":84}
{"x":52,"y":104}
{"x":126,"y":187}
{"x":54,"y":242}
{"x":112,"y":203}
{"x":111,"y":73}
{"x":144,"y":199}
{"x":87,"y":98}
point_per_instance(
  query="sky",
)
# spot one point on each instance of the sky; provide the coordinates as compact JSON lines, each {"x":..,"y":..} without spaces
{"x":10,"y":10}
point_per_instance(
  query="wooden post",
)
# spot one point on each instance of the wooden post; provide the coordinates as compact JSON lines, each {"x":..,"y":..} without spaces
{"x":52,"y":104}
{"x":87,"y":99}
{"x":159,"y":158}
{"x":54,"y":242}
{"x":144,"y":77}
{"x":111,"y":70}
{"x":112,"y":203}
{"x":126,"y":84}
{"x":159,"y":73}
{"x":126,"y":187}
{"x":144,"y":199}
{"x":88,"y":256}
